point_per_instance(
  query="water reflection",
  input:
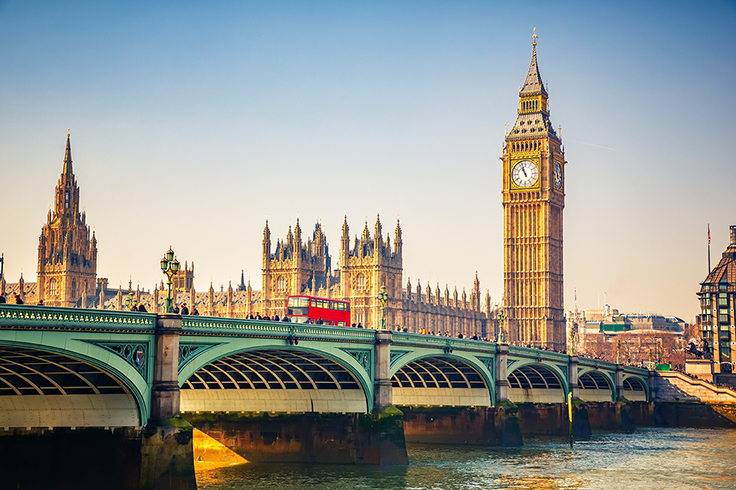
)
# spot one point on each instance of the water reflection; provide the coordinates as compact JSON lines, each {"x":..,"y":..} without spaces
{"x":646,"y":459}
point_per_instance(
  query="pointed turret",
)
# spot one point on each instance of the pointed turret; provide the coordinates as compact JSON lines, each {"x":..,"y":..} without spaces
{"x":533,"y":110}
{"x":366,"y":232}
{"x":398,"y":242}
{"x":345,"y":242}
{"x":68,"y":171}
{"x":266,"y":247}
{"x":533,"y":83}
{"x":345,"y":228}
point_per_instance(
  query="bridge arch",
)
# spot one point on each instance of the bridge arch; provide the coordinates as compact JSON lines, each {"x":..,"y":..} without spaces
{"x":636,"y":388}
{"x":276,"y":378}
{"x":596,"y":385}
{"x":536,"y":382}
{"x":79,"y":385}
{"x":437,"y":379}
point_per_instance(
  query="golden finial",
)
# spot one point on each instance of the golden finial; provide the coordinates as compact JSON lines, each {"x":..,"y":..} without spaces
{"x":534,"y":37}
{"x":68,"y":132}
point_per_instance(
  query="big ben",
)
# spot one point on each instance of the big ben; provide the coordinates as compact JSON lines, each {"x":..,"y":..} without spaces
{"x":533,"y":201}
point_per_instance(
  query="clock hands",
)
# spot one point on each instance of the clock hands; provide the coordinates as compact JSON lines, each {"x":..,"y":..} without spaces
{"x":524,"y":170}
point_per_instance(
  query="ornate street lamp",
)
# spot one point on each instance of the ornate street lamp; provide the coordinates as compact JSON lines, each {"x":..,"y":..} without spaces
{"x":501,"y":318}
{"x":169,"y":266}
{"x":383,"y":297}
{"x":572,"y":342}
{"x":129,"y":300}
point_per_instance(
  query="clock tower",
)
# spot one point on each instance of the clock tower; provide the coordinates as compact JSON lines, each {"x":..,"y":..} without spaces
{"x":533,"y":200}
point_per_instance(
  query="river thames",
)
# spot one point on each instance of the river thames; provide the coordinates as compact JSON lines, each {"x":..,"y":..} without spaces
{"x":647,"y":459}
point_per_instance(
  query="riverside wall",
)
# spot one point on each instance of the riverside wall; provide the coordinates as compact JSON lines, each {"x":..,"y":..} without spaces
{"x":375,"y":439}
{"x":128,"y":458}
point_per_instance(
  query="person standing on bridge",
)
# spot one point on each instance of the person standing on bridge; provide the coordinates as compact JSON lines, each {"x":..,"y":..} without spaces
{"x":184,"y":309}
{"x":18,"y":300}
{"x":2,"y":298}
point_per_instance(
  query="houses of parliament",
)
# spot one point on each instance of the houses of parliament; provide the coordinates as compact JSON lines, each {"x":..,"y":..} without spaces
{"x":531,"y":310}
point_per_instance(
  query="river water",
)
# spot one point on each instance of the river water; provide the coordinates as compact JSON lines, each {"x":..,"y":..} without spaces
{"x":647,"y":459}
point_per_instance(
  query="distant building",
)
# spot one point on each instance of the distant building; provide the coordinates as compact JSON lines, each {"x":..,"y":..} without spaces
{"x":717,"y":297}
{"x":596,"y":330}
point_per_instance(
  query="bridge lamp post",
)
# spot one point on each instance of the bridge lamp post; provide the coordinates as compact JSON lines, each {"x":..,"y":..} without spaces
{"x":169,"y":266}
{"x":501,"y":318}
{"x":572,"y":341}
{"x":383,"y":297}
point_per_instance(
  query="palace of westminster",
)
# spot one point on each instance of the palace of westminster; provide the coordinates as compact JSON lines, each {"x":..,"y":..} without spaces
{"x":531,"y":311}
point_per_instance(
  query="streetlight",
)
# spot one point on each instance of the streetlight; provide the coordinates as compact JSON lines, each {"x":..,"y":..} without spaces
{"x":383,"y":297}
{"x":572,"y":341}
{"x":501,"y":318}
{"x":169,"y":266}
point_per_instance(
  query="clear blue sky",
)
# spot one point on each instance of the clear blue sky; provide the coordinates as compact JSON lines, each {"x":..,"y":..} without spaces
{"x":193,"y":121}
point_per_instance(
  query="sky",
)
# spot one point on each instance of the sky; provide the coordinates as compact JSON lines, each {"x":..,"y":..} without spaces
{"x":194,"y":122}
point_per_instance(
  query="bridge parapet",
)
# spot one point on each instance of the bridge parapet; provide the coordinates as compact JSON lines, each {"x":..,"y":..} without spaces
{"x":40,"y":317}
{"x":232,"y":326}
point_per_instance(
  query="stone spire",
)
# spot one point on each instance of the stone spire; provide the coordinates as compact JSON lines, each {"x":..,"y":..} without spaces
{"x":533,"y":109}
{"x":533,"y":83}
{"x":68,"y":171}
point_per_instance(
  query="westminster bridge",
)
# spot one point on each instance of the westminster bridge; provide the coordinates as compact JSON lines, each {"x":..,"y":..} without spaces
{"x":72,"y":371}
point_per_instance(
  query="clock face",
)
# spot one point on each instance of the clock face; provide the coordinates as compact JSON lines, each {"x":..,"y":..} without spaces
{"x":558,"y":176}
{"x":525,"y":174}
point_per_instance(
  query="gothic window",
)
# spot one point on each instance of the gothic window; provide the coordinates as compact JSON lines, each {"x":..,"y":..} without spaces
{"x":52,"y":287}
{"x":281,"y":283}
{"x":66,"y":200}
{"x":74,"y":288}
{"x":360,"y":285}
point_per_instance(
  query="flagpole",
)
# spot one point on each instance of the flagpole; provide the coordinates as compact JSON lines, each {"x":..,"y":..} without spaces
{"x":709,"y":248}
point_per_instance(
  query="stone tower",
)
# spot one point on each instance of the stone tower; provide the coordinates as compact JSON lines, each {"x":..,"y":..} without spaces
{"x":533,"y":201}
{"x":372,"y":263}
{"x":67,"y":256}
{"x":294,"y":268}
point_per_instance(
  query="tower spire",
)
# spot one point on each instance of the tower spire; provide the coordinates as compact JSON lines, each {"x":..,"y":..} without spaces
{"x":68,"y":155}
{"x":533,"y":82}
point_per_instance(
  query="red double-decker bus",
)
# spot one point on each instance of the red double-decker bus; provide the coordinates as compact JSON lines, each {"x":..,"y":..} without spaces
{"x":330,"y":311}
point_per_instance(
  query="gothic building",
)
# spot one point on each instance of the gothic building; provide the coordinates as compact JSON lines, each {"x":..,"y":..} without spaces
{"x":294,"y":268}
{"x":533,"y":201}
{"x":370,"y":263}
{"x":67,"y":255}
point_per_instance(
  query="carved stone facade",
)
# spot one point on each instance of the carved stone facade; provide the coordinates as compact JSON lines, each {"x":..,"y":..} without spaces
{"x":294,"y":268}
{"x":67,"y":256}
{"x":370,"y":263}
{"x":533,"y":201}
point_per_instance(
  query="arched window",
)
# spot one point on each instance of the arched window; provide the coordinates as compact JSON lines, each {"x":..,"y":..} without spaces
{"x":360,"y":282}
{"x":74,"y":289}
{"x":52,"y":287}
{"x":281,"y":283}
